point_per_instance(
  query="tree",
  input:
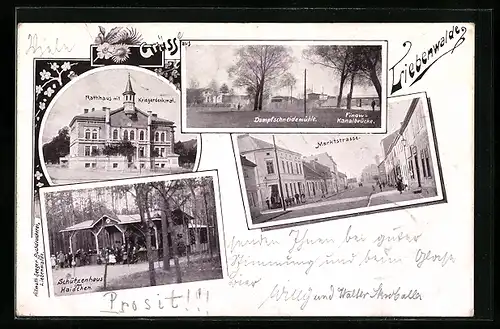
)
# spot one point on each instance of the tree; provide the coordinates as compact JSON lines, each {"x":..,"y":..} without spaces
{"x":142,"y":197}
{"x":193,"y":83}
{"x":258,"y":67}
{"x":186,"y":151}
{"x":333,"y":57}
{"x":289,"y":81}
{"x":213,"y":85}
{"x":224,"y":89}
{"x":369,"y":63}
{"x":58,"y":147}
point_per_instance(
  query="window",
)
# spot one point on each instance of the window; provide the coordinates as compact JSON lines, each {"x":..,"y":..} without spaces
{"x":288,"y":167}
{"x":93,"y":164}
{"x":162,"y":137}
{"x":125,"y":135}
{"x":115,"y":165}
{"x":286,"y":187}
{"x":162,"y":152}
{"x":87,"y":151}
{"x":157,"y":136}
{"x":132,"y":135}
{"x":163,"y":165}
{"x":115,"y":134}
{"x":268,"y":153}
{"x":94,"y":151}
{"x":142,"y":165}
{"x":87,"y":133}
{"x":94,"y":134}
{"x":157,"y":152}
{"x":87,"y":165}
{"x":270,"y":167}
{"x":141,"y":135}
{"x":300,"y":169}
{"x":141,"y":152}
{"x":297,"y":166}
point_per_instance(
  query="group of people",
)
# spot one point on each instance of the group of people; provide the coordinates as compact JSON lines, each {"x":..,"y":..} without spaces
{"x":67,"y":260}
{"x":274,"y":202}
{"x":118,"y":254}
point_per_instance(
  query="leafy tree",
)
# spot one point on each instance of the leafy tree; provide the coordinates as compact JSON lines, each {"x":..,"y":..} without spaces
{"x":193,"y":83}
{"x":289,"y":81}
{"x":258,"y":67}
{"x":186,"y":151}
{"x":58,"y":147}
{"x":224,"y":89}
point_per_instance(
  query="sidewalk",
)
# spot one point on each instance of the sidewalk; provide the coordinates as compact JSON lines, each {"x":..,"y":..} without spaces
{"x":393,"y":196}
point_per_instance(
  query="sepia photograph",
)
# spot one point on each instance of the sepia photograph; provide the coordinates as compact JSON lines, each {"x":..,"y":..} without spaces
{"x":133,"y":233}
{"x":251,"y":86}
{"x":289,"y":178}
{"x":113,"y":123}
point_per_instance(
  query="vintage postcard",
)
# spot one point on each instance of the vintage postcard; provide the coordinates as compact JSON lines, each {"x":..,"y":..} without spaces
{"x":163,"y":170}
{"x":284,"y":86}
{"x":290,"y":178}
{"x":103,"y":237}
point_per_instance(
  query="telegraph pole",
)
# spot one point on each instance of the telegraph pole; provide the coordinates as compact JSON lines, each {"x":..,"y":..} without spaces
{"x":305,"y":93}
{"x":279,"y":175}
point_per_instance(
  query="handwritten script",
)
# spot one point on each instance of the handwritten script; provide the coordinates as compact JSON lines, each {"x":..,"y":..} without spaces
{"x":40,"y":48}
{"x":189,"y":299}
{"x":304,"y":252}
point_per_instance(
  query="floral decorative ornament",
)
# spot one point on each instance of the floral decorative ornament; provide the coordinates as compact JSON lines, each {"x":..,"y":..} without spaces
{"x":115,"y":44}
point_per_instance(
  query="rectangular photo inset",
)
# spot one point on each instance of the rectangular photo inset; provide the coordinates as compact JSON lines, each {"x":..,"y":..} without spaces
{"x":133,"y":233}
{"x":257,"y":86}
{"x":292,"y":178}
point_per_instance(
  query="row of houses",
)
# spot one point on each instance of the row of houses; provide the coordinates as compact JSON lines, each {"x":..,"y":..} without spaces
{"x":197,"y":96}
{"x":407,"y":153}
{"x":305,"y":177}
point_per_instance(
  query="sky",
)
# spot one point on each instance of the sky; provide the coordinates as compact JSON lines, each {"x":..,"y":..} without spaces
{"x":205,"y":63}
{"x":351,"y":156}
{"x":112,"y":83}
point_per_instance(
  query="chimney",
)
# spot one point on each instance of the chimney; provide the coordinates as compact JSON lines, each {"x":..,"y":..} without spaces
{"x":155,"y":115}
{"x":149,"y":117}
{"x":106,"y":109}
{"x":85,"y":110}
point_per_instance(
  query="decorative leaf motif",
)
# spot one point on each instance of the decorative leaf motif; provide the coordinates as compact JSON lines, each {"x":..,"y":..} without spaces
{"x":112,"y":34}
{"x":128,"y":37}
{"x":102,"y":30}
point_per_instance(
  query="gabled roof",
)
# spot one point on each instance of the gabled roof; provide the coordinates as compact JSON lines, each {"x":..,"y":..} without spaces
{"x":310,"y":173}
{"x":247,"y":143}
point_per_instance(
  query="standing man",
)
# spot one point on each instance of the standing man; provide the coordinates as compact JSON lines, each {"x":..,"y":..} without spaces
{"x":373,"y":105}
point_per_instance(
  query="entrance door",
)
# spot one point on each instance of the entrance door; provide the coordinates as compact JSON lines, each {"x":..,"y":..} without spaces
{"x":418,"y":171}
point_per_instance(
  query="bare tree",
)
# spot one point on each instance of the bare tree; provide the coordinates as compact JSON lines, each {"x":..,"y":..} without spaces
{"x":214,"y":86}
{"x":258,"y":66}
{"x":334,"y":57}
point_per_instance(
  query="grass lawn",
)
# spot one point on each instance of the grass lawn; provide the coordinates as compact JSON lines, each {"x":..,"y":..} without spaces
{"x":199,"y":270}
{"x":323,"y":118}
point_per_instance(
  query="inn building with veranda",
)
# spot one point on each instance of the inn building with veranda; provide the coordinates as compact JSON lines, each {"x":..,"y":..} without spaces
{"x":151,"y":137}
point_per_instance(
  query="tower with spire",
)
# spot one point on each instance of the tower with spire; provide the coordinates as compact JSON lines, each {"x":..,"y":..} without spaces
{"x":129,"y":98}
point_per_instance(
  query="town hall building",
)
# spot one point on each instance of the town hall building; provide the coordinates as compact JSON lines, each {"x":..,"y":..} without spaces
{"x":149,"y":138}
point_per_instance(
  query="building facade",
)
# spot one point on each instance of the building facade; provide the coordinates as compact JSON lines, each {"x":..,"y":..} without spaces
{"x":273,"y":165}
{"x":249,"y":176}
{"x":95,"y":136}
{"x":369,"y":175}
{"x":326,"y":160}
{"x":352,"y":183}
{"x":315,"y":182}
{"x":410,"y":154}
{"x":342,"y":181}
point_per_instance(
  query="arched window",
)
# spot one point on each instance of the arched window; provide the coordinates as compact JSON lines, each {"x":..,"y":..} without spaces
{"x":132,"y":135}
{"x":115,"y":134}
{"x":157,"y":135}
{"x":162,"y":137}
{"x":94,"y":134}
{"x":87,"y":133}
{"x":125,"y":134}
{"x":141,"y":135}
